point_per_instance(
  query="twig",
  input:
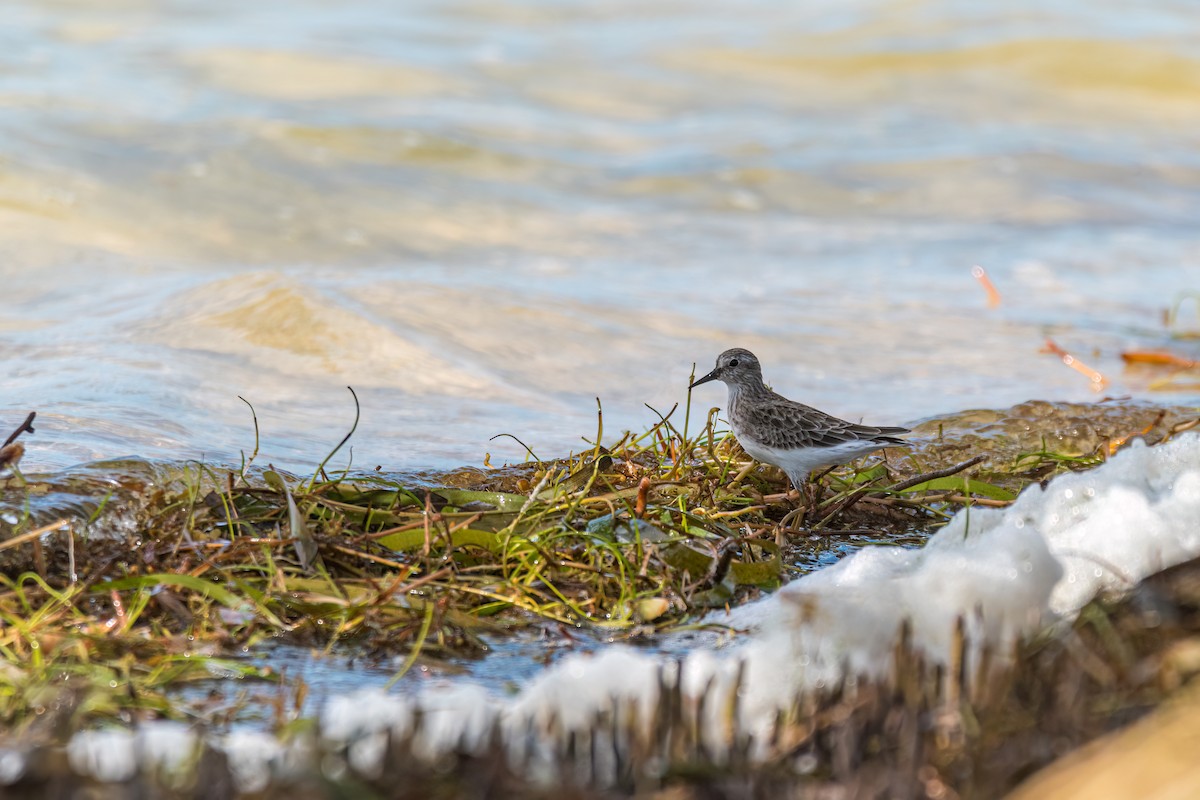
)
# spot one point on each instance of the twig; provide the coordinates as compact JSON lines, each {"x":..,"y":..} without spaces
{"x":398,"y":583}
{"x":541,"y":484}
{"x":12,"y":450}
{"x":1097,"y":379}
{"x":518,"y":441}
{"x":34,"y":534}
{"x":993,"y":295}
{"x":738,"y":512}
{"x":902,"y":485}
{"x":848,"y":532}
{"x":938,"y":473}
{"x":27,"y":425}
{"x":988,"y":502}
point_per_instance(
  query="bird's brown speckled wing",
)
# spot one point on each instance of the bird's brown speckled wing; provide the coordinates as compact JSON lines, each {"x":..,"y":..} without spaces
{"x":781,"y":423}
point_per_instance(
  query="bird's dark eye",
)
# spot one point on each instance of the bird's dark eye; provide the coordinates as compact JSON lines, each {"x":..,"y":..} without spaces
{"x":733,"y":362}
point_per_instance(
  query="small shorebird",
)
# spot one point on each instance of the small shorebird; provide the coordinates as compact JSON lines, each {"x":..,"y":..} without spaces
{"x":792,"y":436}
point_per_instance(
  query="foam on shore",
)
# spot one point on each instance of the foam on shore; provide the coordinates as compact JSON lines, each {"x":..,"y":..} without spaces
{"x":1006,"y":573}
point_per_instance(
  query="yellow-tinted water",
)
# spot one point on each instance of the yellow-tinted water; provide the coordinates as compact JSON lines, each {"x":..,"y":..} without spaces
{"x":484,"y":215}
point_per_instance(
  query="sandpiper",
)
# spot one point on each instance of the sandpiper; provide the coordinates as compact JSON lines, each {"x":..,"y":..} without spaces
{"x":792,"y":436}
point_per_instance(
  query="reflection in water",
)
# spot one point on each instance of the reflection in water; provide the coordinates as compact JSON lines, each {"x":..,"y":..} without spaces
{"x":484,"y":216}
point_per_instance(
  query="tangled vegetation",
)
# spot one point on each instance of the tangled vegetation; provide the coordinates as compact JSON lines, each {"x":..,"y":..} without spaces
{"x":124,"y":581}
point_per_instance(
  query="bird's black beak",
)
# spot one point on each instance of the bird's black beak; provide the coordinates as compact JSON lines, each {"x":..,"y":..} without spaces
{"x":712,"y":376}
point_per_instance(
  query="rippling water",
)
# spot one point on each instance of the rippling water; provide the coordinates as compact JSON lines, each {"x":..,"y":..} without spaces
{"x":484,"y":215}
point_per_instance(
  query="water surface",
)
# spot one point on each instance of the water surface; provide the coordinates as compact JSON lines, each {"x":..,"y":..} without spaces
{"x":482,"y":216}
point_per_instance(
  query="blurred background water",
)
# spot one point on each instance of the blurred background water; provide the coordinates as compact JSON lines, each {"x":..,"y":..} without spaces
{"x":483,"y":215}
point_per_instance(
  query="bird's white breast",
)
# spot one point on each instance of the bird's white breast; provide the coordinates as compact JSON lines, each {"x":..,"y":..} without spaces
{"x":798,"y":462}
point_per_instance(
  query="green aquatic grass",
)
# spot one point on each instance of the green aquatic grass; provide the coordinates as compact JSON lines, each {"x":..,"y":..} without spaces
{"x":637,"y":536}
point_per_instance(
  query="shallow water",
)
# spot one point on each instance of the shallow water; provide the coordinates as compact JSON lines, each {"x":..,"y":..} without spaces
{"x":482,"y":216}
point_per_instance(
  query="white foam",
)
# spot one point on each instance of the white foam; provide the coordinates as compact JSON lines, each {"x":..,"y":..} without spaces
{"x":254,"y":758}
{"x":116,"y":754}
{"x":1006,"y":573}
{"x":108,"y":755}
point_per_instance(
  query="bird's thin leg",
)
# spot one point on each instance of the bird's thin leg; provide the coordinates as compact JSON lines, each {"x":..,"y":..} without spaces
{"x":813,"y":488}
{"x":797,"y":491}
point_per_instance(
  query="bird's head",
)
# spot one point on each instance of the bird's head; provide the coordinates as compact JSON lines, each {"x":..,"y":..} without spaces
{"x":737,"y":366}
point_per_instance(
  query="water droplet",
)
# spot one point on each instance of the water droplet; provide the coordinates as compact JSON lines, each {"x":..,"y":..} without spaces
{"x":1069,"y":493}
